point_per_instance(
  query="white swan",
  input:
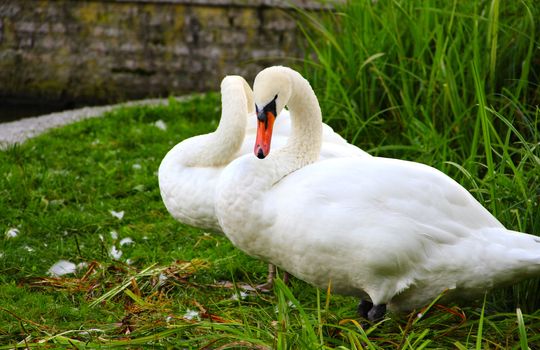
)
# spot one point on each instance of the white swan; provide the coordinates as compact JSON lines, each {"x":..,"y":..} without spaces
{"x":189,"y":172}
{"x":398,"y":232}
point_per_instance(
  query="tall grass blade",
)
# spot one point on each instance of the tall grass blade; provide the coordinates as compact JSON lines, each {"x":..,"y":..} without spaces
{"x":485,"y":123}
{"x":523,"y":342}
{"x":308,"y":329}
{"x":479,"y":333}
{"x":526,"y":63}
{"x":493,"y":38}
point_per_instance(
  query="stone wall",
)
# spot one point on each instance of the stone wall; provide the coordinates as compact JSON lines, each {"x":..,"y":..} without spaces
{"x":64,"y":51}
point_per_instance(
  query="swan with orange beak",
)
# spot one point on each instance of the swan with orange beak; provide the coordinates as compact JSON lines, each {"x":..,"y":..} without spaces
{"x":266,"y":117}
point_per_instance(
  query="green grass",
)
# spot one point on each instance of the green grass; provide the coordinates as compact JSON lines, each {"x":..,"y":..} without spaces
{"x":453,"y":85}
{"x":58,"y":191}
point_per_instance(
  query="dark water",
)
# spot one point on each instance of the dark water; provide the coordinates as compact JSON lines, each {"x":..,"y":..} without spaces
{"x":10,"y":112}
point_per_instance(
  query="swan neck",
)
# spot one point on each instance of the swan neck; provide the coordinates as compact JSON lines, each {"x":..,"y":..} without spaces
{"x":220,"y":147}
{"x":245,"y":183}
{"x":305,"y":141}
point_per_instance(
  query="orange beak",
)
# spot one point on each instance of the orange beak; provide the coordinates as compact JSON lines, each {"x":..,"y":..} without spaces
{"x":265,"y":125}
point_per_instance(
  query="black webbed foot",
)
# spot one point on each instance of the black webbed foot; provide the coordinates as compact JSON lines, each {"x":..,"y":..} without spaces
{"x":377,"y":313}
{"x":364,"y":307}
{"x":373,"y":313}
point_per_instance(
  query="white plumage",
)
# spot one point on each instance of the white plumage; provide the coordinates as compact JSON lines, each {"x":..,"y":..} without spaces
{"x":189,"y":172}
{"x":398,"y":232}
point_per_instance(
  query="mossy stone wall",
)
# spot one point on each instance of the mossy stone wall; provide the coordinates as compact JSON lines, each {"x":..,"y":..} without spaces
{"x":64,"y":51}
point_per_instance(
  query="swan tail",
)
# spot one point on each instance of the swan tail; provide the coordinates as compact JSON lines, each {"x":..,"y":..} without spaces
{"x":511,"y":256}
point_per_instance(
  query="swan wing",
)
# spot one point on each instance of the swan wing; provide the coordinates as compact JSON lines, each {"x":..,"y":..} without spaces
{"x":373,"y":190}
{"x":379,"y":225}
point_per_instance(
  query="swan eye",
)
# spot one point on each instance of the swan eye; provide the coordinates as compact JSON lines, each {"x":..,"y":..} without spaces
{"x":256,"y":109}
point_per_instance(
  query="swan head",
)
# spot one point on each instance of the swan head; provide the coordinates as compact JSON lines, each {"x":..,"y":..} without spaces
{"x":272,"y":90}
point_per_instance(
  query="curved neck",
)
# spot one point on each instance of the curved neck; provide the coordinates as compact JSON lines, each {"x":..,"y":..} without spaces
{"x":220,"y":147}
{"x":244,"y":184}
{"x":304,"y":144}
